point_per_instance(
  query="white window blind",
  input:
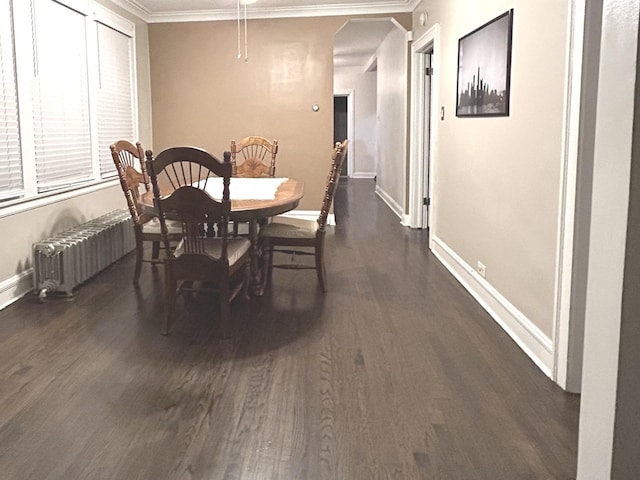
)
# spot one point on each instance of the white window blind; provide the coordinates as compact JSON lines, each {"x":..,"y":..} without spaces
{"x":11,"y":182}
{"x":115,"y":96}
{"x":62,"y":136}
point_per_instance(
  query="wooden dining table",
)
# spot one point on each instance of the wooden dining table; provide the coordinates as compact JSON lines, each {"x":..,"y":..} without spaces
{"x":245,"y":209}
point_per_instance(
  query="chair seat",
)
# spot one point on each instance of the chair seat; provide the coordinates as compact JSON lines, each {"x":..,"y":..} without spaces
{"x":153,"y":227}
{"x":290,"y":228}
{"x":236,"y":248}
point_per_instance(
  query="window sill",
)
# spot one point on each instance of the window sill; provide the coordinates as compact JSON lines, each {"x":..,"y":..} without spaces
{"x":17,"y":206}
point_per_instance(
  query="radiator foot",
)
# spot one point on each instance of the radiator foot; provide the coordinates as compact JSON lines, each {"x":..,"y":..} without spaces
{"x":42,"y":295}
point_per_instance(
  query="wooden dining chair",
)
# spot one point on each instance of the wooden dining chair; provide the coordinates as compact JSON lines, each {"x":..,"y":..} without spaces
{"x":205,"y":257}
{"x":128,"y":158}
{"x":299,"y":236}
{"x":253,"y":157}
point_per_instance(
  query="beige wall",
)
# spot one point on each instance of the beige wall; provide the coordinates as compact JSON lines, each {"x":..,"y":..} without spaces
{"x":497,"y":180}
{"x":36,"y":223}
{"x":204,"y":96}
{"x":392,"y":97}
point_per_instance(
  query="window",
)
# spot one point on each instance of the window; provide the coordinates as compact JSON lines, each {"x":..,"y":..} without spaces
{"x":11,"y":184}
{"x":62,"y":134}
{"x":67,"y":91}
{"x":115,"y":97}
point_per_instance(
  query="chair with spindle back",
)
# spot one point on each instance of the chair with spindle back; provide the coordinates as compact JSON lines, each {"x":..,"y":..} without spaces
{"x":128,"y":158}
{"x":213,"y":260}
{"x":294,"y":234}
{"x":253,"y":157}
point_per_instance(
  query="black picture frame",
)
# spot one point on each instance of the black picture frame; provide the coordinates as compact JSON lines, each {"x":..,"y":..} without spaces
{"x":484,"y":69}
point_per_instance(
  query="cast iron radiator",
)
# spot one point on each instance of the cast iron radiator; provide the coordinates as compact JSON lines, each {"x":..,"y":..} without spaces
{"x":64,"y":261}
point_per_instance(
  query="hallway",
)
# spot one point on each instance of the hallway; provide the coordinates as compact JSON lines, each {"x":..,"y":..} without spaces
{"x":396,"y":373}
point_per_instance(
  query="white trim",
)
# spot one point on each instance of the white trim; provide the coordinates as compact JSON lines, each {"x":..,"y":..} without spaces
{"x":80,"y":6}
{"x":113,"y":20}
{"x":134,"y":8}
{"x":605,"y":371}
{"x":54,"y":197}
{"x":16,"y":287}
{"x":364,"y":175}
{"x":430,"y":39}
{"x":351,"y":148}
{"x":522,"y":330}
{"x":563,"y":354}
{"x":393,"y":205}
{"x":257,"y":12}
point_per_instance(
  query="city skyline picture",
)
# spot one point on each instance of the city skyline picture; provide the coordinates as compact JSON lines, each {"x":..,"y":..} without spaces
{"x":484,"y":68}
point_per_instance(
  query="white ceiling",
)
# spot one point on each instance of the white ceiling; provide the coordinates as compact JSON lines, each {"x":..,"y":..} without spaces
{"x":355,"y":43}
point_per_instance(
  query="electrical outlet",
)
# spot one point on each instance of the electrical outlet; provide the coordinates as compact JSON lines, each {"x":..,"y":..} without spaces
{"x":482,"y":269}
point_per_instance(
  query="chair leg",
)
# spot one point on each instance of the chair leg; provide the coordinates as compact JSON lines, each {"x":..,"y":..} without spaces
{"x":139,"y":257}
{"x":170,"y":299}
{"x":235,"y":228}
{"x":320,"y":268}
{"x":225,"y":311}
{"x":246,"y":280}
{"x":155,"y":252}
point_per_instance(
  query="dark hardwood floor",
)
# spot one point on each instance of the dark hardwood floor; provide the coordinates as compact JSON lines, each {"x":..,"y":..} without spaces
{"x":396,"y":373}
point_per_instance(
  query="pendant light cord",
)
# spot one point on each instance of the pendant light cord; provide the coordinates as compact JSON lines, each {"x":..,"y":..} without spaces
{"x":246,"y":44}
{"x":246,"y":41}
{"x":239,"y":49}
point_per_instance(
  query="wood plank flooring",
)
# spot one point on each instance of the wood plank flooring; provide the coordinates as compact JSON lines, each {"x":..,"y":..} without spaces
{"x":395,"y":373}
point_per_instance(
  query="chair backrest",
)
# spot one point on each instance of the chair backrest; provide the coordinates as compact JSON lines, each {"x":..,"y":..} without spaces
{"x":257,"y":157}
{"x":126,"y":158}
{"x":187,"y":171}
{"x":337,"y":159}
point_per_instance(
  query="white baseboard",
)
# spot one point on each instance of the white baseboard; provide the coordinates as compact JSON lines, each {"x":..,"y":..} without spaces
{"x":15,"y":287}
{"x":527,"y":335}
{"x":363,"y":175}
{"x":393,"y":205}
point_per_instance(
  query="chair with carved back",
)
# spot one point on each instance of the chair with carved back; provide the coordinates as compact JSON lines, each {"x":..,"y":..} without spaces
{"x":204,"y":257}
{"x":299,"y":236}
{"x":128,"y":158}
{"x":253,"y":157}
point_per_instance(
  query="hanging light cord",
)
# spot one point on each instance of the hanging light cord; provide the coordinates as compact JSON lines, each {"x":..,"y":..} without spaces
{"x":239,"y":50}
{"x":246,"y":41}
{"x":246,"y":45}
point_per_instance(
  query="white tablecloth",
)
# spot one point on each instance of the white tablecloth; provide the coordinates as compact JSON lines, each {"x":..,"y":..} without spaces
{"x":245,"y":188}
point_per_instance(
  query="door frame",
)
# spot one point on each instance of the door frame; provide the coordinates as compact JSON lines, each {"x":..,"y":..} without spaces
{"x":429,"y":41}
{"x":351,"y":151}
{"x":577,"y":177}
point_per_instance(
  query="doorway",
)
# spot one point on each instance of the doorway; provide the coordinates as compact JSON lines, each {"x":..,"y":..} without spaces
{"x":423,"y":135}
{"x":341,"y":126}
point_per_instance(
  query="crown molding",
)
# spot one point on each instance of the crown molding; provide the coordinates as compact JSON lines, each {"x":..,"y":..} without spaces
{"x":134,"y":8}
{"x":254,"y":12}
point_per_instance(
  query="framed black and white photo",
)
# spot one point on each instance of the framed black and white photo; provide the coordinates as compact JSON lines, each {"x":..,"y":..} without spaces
{"x":484,"y":69}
